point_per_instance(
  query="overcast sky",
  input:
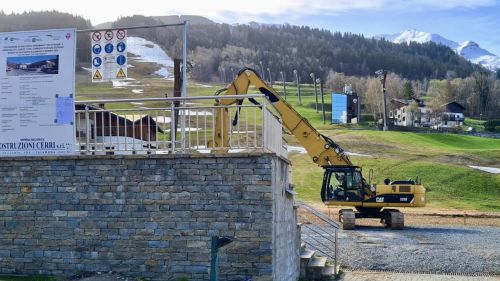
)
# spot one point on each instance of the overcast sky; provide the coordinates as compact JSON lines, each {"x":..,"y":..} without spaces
{"x":458,"y":20}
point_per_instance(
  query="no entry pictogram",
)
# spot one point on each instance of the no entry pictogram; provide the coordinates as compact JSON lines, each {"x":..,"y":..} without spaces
{"x":108,"y":35}
{"x":120,"y":34}
{"x":96,"y":36}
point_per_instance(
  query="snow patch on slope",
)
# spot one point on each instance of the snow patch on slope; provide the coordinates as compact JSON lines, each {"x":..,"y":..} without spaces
{"x":147,"y":51}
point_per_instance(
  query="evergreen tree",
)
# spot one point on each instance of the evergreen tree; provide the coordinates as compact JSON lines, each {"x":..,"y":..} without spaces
{"x":408,"y":90}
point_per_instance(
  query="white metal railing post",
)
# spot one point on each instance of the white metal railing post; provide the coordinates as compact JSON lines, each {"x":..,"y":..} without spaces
{"x":264,"y":124}
{"x":173,"y":130}
{"x":184,"y":83}
{"x":87,"y":129}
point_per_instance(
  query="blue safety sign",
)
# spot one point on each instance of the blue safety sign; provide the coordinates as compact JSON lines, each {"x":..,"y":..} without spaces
{"x":96,"y":49}
{"x":109,"y":48}
{"x":120,"y":47}
{"x":97,"y":61}
{"x":121,"y":60}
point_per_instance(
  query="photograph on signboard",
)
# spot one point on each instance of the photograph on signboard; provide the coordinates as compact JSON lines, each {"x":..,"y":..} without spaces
{"x":32,"y":65}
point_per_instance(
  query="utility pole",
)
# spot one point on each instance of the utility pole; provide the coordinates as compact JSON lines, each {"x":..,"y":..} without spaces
{"x":298,"y":84}
{"x":270,"y":79}
{"x":315,"y":90}
{"x":382,"y":75}
{"x":284,"y":86}
{"x":322,"y":99}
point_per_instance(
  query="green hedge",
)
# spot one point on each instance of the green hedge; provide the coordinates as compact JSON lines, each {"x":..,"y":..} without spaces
{"x":492,"y":125}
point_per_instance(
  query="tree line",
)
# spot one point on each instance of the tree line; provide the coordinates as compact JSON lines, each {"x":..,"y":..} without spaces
{"x":219,"y":50}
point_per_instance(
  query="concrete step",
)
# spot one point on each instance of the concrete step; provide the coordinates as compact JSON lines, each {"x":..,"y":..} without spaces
{"x":328,"y":270}
{"x":317,"y":261}
{"x":306,"y":254}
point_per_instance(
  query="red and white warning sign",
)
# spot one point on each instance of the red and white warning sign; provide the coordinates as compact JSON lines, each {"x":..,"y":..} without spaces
{"x":109,"y":55}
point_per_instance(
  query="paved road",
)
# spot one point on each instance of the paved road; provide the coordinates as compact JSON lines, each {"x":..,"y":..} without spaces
{"x":369,"y":276}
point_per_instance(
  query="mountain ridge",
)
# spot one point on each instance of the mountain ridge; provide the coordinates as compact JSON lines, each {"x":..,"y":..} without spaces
{"x":470,"y":50}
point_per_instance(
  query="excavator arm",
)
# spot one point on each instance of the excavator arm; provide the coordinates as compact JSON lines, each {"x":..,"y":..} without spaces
{"x":322,"y":150}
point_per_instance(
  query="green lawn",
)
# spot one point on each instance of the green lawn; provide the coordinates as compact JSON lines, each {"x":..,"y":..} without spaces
{"x":440,"y":160}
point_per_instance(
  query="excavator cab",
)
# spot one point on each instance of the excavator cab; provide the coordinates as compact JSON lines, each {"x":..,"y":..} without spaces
{"x":343,"y":183}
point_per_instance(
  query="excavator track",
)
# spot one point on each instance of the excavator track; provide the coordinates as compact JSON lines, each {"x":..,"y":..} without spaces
{"x":394,"y":219}
{"x":348,"y":219}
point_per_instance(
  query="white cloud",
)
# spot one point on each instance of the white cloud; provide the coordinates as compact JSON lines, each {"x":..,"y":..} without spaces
{"x":230,"y":10}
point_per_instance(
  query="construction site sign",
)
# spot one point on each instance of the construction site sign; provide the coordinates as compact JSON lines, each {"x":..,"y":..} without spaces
{"x":37,"y":85}
{"x":109,"y":55}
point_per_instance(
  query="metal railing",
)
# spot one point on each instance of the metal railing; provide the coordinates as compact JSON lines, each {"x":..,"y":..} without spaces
{"x":319,"y":232}
{"x":148,"y":126}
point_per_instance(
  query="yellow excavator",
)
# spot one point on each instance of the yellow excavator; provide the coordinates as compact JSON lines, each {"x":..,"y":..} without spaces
{"x":343,"y":183}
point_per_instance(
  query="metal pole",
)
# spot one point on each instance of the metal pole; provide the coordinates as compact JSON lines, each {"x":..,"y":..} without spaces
{"x":315,"y":90}
{"x":284,"y":86}
{"x":270,"y":79}
{"x":359,"y":109}
{"x":184,"y":82}
{"x":298,"y":84}
{"x":322,"y":100}
{"x":262,"y":71}
{"x":336,"y":251}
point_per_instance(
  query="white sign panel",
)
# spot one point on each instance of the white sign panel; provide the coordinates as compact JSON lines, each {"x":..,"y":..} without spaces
{"x":109,"y":55}
{"x":37,"y":85}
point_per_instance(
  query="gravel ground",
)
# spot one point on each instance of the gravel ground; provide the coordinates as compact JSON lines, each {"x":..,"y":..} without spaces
{"x":437,"y":249}
{"x":370,"y":276}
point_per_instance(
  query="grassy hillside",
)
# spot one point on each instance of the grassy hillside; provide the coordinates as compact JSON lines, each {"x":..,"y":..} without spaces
{"x":440,"y":160}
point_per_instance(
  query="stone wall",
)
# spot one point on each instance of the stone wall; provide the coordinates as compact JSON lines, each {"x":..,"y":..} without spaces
{"x":148,"y":216}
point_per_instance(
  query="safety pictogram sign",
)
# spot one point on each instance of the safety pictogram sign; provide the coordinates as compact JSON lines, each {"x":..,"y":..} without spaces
{"x":97,"y":75}
{"x":121,"y":73}
{"x":109,"y":55}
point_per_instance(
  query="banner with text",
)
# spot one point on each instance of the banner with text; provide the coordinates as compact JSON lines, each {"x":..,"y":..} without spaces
{"x":37,"y":86}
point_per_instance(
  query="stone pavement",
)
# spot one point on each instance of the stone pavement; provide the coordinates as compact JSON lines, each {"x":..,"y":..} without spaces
{"x":376,"y":276}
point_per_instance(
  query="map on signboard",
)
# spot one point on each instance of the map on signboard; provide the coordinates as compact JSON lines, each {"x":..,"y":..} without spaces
{"x":64,"y":110}
{"x":109,"y":55}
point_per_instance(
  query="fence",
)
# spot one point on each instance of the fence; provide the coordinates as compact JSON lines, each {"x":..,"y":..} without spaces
{"x":148,"y":126}
{"x":319,"y":232}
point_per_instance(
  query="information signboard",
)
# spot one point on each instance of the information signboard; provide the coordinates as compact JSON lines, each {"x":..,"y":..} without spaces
{"x":37,"y":86}
{"x":109,"y":55}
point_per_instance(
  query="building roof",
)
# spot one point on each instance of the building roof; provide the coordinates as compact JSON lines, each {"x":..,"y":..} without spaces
{"x":455,"y":103}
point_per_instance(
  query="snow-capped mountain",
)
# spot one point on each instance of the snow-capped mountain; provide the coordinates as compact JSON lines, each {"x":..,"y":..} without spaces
{"x":468,"y":49}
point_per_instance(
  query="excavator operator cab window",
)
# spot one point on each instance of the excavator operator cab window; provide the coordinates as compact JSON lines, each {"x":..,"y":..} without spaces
{"x":343,"y":184}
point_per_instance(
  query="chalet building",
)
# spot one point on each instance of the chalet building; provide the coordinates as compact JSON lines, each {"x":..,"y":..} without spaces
{"x":415,"y":113}
{"x":113,"y":131}
{"x":453,"y":115}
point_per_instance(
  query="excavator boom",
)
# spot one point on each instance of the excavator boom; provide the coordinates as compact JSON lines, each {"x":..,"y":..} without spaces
{"x":322,"y":150}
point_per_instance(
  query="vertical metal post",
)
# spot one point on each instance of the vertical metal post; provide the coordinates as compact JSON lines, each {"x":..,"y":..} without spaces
{"x":262,"y":71}
{"x":264,"y":123}
{"x":173,"y":129}
{"x":298,"y":84}
{"x":184,"y":82}
{"x":87,"y":129}
{"x":322,"y":100}
{"x":270,"y":77}
{"x":336,"y":252}
{"x":284,"y":86}
{"x":359,"y":109}
{"x":315,"y":90}
{"x":382,"y":75}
